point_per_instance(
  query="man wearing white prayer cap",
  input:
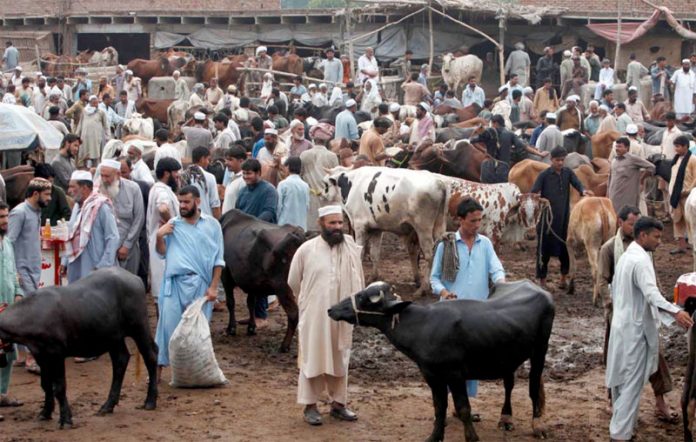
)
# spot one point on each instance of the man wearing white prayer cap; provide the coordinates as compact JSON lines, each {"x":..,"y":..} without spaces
{"x":324,"y":271}
{"x":93,"y":237}
{"x":93,"y":129}
{"x":423,"y":128}
{"x":263,"y":61}
{"x":684,"y":81}
{"x":129,"y":209}
{"x":518,"y":62}
{"x":274,"y":152}
{"x":181,"y":89}
{"x":635,"y":107}
{"x":569,"y":116}
{"x":140,"y":171}
{"x":132,"y":85}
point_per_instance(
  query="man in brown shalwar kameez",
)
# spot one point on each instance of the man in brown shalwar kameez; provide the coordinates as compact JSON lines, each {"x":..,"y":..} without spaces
{"x":623,"y":188}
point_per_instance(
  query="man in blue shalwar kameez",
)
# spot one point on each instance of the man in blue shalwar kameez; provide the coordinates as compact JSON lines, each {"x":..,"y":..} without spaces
{"x":192,"y":247}
{"x":464,"y":262}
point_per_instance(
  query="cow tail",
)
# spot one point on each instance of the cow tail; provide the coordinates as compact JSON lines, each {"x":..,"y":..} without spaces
{"x":440,"y":226}
{"x":606,"y":234}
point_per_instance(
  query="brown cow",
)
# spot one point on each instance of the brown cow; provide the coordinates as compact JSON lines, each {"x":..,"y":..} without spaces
{"x":153,"y":108}
{"x":600,"y":165}
{"x":463,"y":113}
{"x":463,"y":161}
{"x":16,"y":182}
{"x":290,"y":63}
{"x":146,"y":69}
{"x":525,"y":173}
{"x":227,"y":73}
{"x":592,"y":222}
{"x":602,"y":143}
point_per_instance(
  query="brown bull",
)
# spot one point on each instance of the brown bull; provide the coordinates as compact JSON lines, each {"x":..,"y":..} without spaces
{"x":227,"y":73}
{"x":464,"y":161}
{"x":463,"y":113}
{"x":602,"y":143}
{"x":146,"y":69}
{"x":290,"y":63}
{"x":16,"y":182}
{"x":153,"y":108}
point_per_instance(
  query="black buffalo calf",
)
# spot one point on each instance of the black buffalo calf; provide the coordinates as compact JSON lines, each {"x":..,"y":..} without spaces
{"x":458,"y":340}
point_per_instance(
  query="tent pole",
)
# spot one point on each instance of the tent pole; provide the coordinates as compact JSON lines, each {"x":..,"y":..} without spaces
{"x":618,"y":37}
{"x":432,"y":44}
{"x":349,"y":18}
{"x":501,"y":47}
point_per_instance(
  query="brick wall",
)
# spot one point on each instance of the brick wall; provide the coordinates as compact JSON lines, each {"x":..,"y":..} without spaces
{"x":635,"y":8}
{"x":82,"y":7}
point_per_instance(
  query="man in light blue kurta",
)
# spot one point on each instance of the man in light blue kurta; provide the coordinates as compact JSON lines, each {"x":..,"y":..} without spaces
{"x":346,"y":126}
{"x":192,"y":246}
{"x":466,"y":277}
{"x":92,"y":220}
{"x":293,"y":196}
{"x":25,"y":222}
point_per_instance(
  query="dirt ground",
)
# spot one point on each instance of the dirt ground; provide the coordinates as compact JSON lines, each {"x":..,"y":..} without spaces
{"x":385,"y":388}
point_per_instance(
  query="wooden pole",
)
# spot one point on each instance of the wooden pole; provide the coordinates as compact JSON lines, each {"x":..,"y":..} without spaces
{"x":501,"y":48}
{"x":432,"y":43}
{"x":351,"y":57}
{"x":618,"y":38}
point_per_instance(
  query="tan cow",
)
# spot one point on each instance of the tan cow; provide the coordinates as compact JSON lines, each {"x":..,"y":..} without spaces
{"x":602,"y":144}
{"x":592,"y":222}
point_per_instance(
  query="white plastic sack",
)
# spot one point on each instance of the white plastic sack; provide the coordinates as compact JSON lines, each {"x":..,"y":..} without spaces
{"x":191,"y":354}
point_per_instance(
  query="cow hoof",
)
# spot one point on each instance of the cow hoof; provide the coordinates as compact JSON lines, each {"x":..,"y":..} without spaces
{"x":150,"y":405}
{"x":284,"y":349}
{"x":103,"y":411}
{"x":231,"y":331}
{"x":571,"y":287}
{"x":435,"y":438}
{"x":471,"y":436}
{"x":507,"y":426}
{"x":251,"y":331}
{"x":44,"y":417}
{"x":66,"y":425}
{"x":538,"y":429}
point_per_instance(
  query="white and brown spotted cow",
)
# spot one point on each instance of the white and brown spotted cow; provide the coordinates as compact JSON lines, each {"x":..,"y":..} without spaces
{"x":401,"y":201}
{"x":592,"y":222}
{"x":507,"y":212}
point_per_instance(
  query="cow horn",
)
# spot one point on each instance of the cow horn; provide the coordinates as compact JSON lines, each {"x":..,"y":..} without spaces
{"x":376,"y":298}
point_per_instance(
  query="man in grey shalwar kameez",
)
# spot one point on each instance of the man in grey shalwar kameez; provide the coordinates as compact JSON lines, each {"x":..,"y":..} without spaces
{"x":518,"y":63}
{"x":127,"y":200}
{"x":632,"y":353}
{"x":93,"y":130}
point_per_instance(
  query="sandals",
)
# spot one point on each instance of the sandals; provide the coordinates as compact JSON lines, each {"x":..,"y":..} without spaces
{"x":7,"y":402}
{"x":34,"y":368}
{"x":19,"y":364}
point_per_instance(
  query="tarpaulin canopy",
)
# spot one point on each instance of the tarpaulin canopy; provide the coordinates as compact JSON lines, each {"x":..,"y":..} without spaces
{"x":629,"y":30}
{"x":22,"y":128}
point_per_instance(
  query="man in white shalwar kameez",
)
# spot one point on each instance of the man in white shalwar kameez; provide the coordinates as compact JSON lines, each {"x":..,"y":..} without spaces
{"x":632,"y":353}
{"x":162,"y":205}
{"x":315,"y":161}
{"x":684,"y":81}
{"x":324,"y":271}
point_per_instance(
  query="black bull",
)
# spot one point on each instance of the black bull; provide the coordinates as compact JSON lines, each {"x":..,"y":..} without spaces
{"x":257,"y":257}
{"x":85,"y":319}
{"x":458,"y":340}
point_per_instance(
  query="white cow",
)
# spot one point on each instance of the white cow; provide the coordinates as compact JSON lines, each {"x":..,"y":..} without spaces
{"x":401,"y":201}
{"x":137,"y":125}
{"x":176,"y":114}
{"x":106,"y":57}
{"x":457,"y":70}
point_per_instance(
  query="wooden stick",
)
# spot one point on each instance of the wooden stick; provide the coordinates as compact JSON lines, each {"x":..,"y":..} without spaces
{"x":471,"y":28}
{"x":367,"y":34}
{"x":281,"y":73}
{"x":432,"y":43}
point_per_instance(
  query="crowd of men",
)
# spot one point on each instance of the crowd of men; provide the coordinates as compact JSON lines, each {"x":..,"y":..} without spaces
{"x":160,"y":221}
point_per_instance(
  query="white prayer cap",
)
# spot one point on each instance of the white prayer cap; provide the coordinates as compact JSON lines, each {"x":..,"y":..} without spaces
{"x":351,"y":103}
{"x":199,"y":116}
{"x":573,"y":98}
{"x":502,"y":88}
{"x":567,"y":53}
{"x":138,"y":147}
{"x":176,"y":73}
{"x":632,"y":88}
{"x":93,"y":97}
{"x":330,"y":210}
{"x":294,"y":123}
{"x":631,"y":129}
{"x":312,"y":86}
{"x":425,"y":106}
{"x":112,"y":164}
{"x":322,"y":86}
{"x":55,"y":92}
{"x":527,"y":90}
{"x":122,"y":67}
{"x":686,"y":60}
{"x":271,"y":131}
{"x":38,"y":74}
{"x":605,"y":108}
{"x":394,"y":107}
{"x":81,"y":175}
{"x":18,"y":68}
{"x":42,"y":77}
{"x":594,"y":103}
{"x":261,"y":49}
{"x":550,"y":115}
{"x":129,"y":72}
{"x":519,"y":45}
{"x":80,"y":71}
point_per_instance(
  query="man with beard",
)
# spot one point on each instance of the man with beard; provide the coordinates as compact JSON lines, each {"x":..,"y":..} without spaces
{"x":140,"y":170}
{"x":423,"y":128}
{"x":298,"y":141}
{"x":127,"y":201}
{"x":684,"y":82}
{"x":193,"y":248}
{"x":58,"y":208}
{"x":324,"y":271}
{"x":93,"y":238}
{"x":64,"y":163}
{"x":10,"y":291}
{"x":162,"y":205}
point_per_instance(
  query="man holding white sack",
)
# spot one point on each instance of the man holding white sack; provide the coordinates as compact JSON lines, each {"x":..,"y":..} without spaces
{"x":191,"y":245}
{"x":324,"y":271}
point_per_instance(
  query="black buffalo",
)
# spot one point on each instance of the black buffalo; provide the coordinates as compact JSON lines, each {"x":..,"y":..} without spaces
{"x":458,"y":340}
{"x":257,"y":257}
{"x":88,"y":318}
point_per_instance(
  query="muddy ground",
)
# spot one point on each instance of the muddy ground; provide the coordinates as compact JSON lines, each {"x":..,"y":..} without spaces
{"x":385,"y":388}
